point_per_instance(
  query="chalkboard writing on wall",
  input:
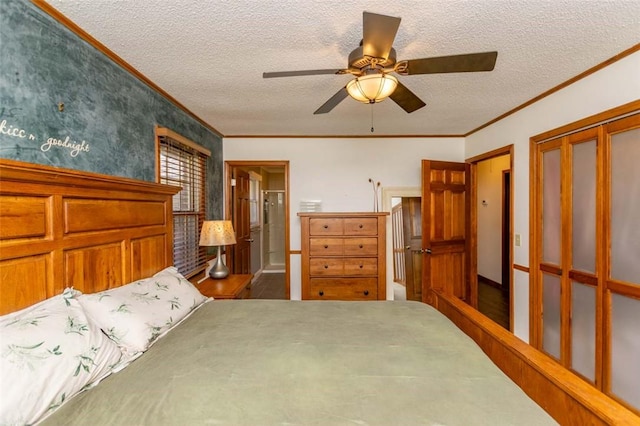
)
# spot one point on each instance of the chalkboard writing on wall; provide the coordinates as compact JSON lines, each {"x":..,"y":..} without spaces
{"x":64,"y":103}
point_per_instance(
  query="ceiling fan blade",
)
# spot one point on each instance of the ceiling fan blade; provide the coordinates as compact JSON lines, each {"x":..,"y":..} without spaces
{"x":300,"y":73}
{"x":406,"y":99}
{"x":471,"y":62}
{"x":333,"y":101}
{"x":378,"y":33}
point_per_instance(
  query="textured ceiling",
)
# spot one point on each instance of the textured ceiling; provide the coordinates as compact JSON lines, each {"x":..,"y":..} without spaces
{"x":210,"y":56}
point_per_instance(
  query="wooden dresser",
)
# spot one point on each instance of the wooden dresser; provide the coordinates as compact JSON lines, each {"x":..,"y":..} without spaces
{"x":343,"y":256}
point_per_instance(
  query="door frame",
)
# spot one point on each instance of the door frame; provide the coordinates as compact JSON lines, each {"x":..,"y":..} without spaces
{"x":229,"y":165}
{"x":387,"y":194}
{"x":473,"y":161}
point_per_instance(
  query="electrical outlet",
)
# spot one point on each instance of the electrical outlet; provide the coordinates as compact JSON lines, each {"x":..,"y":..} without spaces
{"x":518,"y":240}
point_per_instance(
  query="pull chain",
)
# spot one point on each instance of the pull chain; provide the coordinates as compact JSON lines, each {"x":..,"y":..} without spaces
{"x":372,"y":129}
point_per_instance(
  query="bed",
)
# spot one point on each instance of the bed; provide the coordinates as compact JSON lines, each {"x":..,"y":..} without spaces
{"x":252,"y":362}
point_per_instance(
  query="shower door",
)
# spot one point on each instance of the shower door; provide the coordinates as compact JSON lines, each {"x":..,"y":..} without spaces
{"x":274,"y":222}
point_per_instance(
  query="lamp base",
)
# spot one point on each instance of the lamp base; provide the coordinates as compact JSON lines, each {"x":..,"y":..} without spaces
{"x":219,"y":269}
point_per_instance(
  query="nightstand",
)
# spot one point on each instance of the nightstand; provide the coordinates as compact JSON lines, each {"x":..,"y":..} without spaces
{"x":232,"y":287}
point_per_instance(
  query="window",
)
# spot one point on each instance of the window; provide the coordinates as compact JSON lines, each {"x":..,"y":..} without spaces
{"x":585,"y":275}
{"x":184,"y":163}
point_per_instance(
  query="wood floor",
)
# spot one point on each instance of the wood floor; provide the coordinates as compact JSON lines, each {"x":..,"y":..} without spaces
{"x":268,"y":286}
{"x":494,"y":303}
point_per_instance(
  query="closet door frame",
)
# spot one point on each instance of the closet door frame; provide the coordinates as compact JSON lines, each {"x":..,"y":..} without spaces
{"x":599,"y":127}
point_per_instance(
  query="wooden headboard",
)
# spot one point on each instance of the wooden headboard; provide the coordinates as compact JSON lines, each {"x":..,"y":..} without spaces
{"x":63,"y":228}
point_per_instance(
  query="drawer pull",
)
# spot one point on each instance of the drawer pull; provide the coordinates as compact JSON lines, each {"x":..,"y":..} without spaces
{"x":361,"y":266}
{"x":366,"y":292}
{"x":361,"y":226}
{"x":326,"y":266}
{"x":360,"y":246}
{"x":321,"y":293}
{"x":326,"y":246}
{"x":326,"y":227}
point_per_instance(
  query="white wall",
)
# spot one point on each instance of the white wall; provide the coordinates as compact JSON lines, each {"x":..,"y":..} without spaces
{"x":489,"y":216}
{"x":336,"y":171}
{"x":610,"y":87}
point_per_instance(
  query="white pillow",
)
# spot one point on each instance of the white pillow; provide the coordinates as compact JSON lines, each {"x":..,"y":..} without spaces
{"x":48,"y":353}
{"x":136,"y":314}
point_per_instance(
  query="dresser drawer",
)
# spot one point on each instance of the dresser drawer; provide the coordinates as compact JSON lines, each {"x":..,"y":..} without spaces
{"x":360,"y":246}
{"x":361,"y":226}
{"x":326,"y":246}
{"x":326,"y":266}
{"x":343,"y":289}
{"x":332,"y":266}
{"x":361,"y":266}
{"x":326,"y":226}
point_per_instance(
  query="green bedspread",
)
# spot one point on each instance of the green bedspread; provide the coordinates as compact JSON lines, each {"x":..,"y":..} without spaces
{"x":260,"y":362}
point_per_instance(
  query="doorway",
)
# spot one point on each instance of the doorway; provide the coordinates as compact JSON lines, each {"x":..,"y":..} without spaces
{"x":492,"y":217}
{"x":273,"y":214}
{"x":267,"y":217}
{"x":390,"y":197}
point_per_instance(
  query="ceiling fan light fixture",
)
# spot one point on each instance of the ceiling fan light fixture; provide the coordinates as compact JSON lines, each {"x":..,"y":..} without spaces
{"x":372,"y":88}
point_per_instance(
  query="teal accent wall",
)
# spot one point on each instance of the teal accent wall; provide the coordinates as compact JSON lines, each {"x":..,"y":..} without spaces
{"x":107,"y":125}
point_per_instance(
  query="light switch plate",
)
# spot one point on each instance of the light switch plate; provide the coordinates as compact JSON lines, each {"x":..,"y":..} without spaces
{"x":518,"y":240}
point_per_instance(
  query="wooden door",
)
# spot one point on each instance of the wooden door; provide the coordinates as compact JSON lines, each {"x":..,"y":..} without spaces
{"x":241,"y":263}
{"x":412,"y":229}
{"x":446,"y":224}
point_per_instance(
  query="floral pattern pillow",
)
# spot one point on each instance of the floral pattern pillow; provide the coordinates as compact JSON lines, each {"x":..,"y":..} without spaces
{"x":48,"y":353}
{"x":135,"y":315}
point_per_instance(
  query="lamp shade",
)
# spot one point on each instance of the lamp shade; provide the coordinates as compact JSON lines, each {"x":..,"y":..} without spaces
{"x":217,"y":233}
{"x":372,"y":88}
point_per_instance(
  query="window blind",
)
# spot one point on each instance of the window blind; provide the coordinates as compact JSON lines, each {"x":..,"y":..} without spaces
{"x":184,"y":166}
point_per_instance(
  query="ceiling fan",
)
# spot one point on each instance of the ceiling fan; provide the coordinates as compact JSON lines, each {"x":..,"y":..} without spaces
{"x":375,"y":59}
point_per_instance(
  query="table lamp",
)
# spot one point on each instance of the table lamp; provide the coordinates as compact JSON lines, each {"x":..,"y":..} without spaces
{"x":218,"y":233}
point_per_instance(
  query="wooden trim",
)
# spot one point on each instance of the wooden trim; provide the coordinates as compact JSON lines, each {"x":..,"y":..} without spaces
{"x":602,"y":217}
{"x":566,"y":167}
{"x":551,"y":269}
{"x":534,"y":244}
{"x":20,"y":171}
{"x":591,"y":121}
{"x":166,"y":132}
{"x":621,"y":55}
{"x":521,"y":268}
{"x":74,"y":28}
{"x":583,"y":278}
{"x":472,"y":253}
{"x":338,"y":136}
{"x":560,"y":392}
{"x":498,"y":152}
{"x":295,"y":251}
{"x":623,"y":289}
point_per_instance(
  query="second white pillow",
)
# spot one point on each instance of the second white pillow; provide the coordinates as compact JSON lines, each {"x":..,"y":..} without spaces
{"x":136,"y":314}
